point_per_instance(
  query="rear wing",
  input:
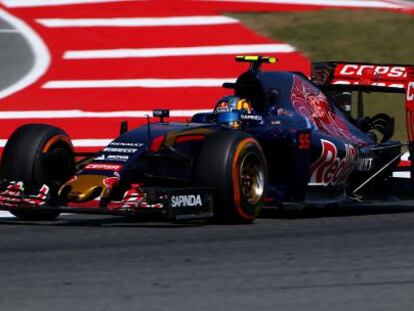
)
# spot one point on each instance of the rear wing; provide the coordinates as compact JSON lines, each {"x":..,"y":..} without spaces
{"x":363,"y":77}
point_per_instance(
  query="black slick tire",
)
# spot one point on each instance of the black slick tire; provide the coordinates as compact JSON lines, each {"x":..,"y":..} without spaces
{"x":24,"y":159}
{"x":233,"y":163}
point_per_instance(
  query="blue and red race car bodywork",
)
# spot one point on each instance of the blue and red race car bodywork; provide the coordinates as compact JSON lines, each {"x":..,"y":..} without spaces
{"x":300,"y":147}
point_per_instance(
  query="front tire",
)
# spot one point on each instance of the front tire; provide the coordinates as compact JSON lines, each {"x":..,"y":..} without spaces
{"x":38,"y":154}
{"x":233,"y":163}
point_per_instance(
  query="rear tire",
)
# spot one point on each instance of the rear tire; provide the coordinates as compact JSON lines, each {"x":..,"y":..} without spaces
{"x":38,"y":154}
{"x":233,"y":163}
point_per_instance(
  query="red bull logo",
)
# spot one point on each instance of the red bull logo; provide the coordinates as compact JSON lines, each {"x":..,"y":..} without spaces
{"x":330,"y":169}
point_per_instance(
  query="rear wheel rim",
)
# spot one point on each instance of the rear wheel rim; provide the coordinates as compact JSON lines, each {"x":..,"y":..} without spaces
{"x":252,"y":181}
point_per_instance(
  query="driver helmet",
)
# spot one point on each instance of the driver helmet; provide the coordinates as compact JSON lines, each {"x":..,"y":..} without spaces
{"x":228,"y":104}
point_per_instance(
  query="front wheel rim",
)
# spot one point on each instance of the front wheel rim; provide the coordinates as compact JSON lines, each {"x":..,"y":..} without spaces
{"x":252,"y":181}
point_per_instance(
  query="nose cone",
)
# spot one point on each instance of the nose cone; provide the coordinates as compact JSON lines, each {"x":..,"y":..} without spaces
{"x":83,"y":188}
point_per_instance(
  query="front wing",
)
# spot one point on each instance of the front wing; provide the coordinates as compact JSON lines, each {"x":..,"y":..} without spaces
{"x":173,"y":203}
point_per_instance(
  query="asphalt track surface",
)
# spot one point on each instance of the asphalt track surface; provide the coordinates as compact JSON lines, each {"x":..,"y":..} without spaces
{"x":354,"y":258}
{"x":350,"y":259}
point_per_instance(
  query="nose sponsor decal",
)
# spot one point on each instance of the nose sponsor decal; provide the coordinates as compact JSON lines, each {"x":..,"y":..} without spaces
{"x":120,"y":150}
{"x":104,"y":167}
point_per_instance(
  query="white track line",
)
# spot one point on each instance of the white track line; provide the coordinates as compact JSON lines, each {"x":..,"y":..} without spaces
{"x":333,"y":3}
{"x":40,"y":52}
{"x":136,"y":21}
{"x":4,"y":214}
{"x":68,"y":114}
{"x":401,"y":174}
{"x":180,"y":51}
{"x":145,"y":83}
{"x":89,"y":142}
{"x":9,"y":31}
{"x":35,"y":3}
{"x":406,"y":3}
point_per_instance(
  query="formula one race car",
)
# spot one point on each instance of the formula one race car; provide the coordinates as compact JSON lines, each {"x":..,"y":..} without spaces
{"x":279,"y":140}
